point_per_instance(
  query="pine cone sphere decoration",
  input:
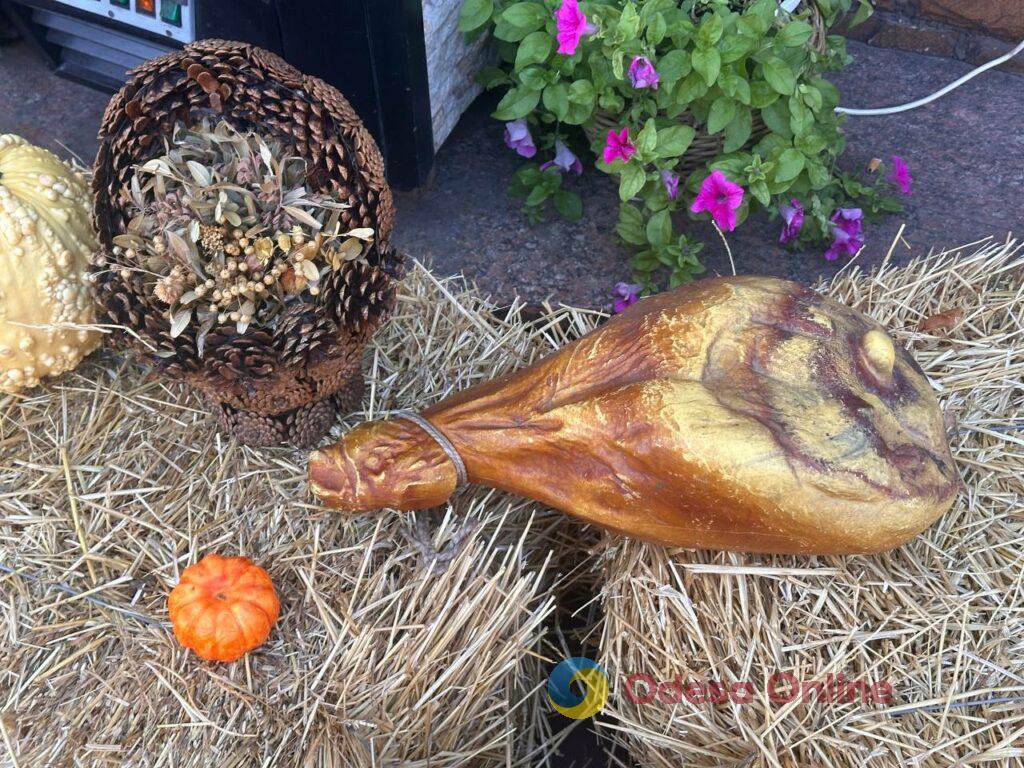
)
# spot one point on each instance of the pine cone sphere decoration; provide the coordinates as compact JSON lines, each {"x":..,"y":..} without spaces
{"x":262,"y":297}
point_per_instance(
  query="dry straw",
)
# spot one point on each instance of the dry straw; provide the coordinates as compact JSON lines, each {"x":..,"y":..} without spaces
{"x":940,"y":619}
{"x":386,"y":653}
{"x":416,"y":640}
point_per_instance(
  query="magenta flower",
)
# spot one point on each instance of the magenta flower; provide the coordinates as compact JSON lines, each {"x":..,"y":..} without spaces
{"x":517,"y":137}
{"x":618,"y":147}
{"x":719,"y":197}
{"x":564,"y":160}
{"x":900,"y":175}
{"x":642,"y":73}
{"x":792,"y":220}
{"x":846,"y":229}
{"x":572,"y":25}
{"x":625,"y":295}
{"x":671,"y":181}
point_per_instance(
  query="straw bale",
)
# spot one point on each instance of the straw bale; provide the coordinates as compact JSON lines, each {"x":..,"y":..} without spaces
{"x":112,"y":482}
{"x":941,"y":619}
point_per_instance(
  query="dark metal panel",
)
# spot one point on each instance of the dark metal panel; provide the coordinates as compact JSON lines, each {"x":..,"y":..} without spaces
{"x":248,"y":21}
{"x":372,"y":50}
{"x":400,"y":72}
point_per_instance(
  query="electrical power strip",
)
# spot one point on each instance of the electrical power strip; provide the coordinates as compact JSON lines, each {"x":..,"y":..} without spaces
{"x":173,"y":19}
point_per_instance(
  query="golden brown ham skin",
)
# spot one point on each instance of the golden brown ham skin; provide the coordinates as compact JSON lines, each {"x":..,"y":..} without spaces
{"x":746,"y":413}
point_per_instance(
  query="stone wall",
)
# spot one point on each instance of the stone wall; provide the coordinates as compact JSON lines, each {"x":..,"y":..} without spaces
{"x":975,"y":31}
{"x":999,"y":18}
{"x":451,"y":64}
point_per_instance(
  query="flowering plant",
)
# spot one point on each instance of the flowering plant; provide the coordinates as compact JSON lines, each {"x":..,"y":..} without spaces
{"x":664,"y":72}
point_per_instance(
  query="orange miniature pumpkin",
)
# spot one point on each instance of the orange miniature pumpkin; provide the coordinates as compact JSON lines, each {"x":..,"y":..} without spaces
{"x":223,"y":607}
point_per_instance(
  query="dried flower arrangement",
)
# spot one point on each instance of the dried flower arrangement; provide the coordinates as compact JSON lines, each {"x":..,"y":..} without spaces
{"x":223,"y":229}
{"x":244,"y":224}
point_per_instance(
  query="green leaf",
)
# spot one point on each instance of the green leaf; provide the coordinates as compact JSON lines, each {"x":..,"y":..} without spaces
{"x":582,"y":98}
{"x":537,"y":195}
{"x":794,"y":34}
{"x":710,"y":30}
{"x":779,"y":75}
{"x":569,"y":204}
{"x":674,"y":140}
{"x":629,"y":23}
{"x":690,"y":88}
{"x":765,"y":11}
{"x":491,"y":77}
{"x":708,"y":63}
{"x":659,"y":228}
{"x":518,"y":102}
{"x":534,"y":78}
{"x":535,"y":49}
{"x":681,"y":30}
{"x":510,"y":33}
{"x":611,"y":101}
{"x":474,"y":14}
{"x":581,"y":92}
{"x":735,"y":47}
{"x":864,"y":10}
{"x":632,"y":181}
{"x":811,"y":97}
{"x":801,"y":119}
{"x":736,"y":86}
{"x":631,"y":225}
{"x":817,"y":174}
{"x":526,"y":16}
{"x":556,"y":99}
{"x":644,"y":261}
{"x":723,"y":110}
{"x":790,"y":164}
{"x":672,"y":66}
{"x":810,"y":143}
{"x":647,"y":139}
{"x":752,"y":27}
{"x":776,"y":117}
{"x":738,"y":131}
{"x":656,"y":29}
{"x":829,"y":93}
{"x":760,"y":191}
{"x":762,"y":94}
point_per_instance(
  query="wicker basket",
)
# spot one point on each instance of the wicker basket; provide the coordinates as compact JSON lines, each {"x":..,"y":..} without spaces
{"x":706,"y":147}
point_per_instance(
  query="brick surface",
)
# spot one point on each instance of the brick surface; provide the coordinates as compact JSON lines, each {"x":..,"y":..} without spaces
{"x":941,"y":41}
{"x":1003,"y":18}
{"x":981,"y":49}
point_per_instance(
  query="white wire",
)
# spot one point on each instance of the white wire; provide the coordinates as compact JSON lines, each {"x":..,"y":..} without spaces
{"x":937,"y":94}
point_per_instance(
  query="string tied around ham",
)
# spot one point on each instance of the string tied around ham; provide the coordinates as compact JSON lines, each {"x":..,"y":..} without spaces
{"x":438,"y":560}
{"x":442,"y":440}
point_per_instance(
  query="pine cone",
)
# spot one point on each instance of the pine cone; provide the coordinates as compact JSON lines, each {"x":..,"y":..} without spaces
{"x":269,"y":386}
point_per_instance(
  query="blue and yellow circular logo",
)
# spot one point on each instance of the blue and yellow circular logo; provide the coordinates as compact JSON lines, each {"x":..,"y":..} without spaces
{"x":570,"y":703}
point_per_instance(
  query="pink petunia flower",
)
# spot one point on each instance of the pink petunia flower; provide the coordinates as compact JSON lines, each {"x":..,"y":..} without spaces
{"x":792,"y":220}
{"x":642,"y":73}
{"x":900,"y":174}
{"x":565,"y":160}
{"x":572,"y":25}
{"x":671,"y":181}
{"x":719,"y":197}
{"x":625,"y":295}
{"x":517,"y":137}
{"x":847,"y":226}
{"x":617,"y":146}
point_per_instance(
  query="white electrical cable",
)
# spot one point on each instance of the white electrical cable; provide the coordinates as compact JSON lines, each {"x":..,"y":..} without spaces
{"x":937,"y":94}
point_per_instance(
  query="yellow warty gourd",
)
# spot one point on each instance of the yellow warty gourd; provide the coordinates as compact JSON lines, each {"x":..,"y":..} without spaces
{"x":46,"y":239}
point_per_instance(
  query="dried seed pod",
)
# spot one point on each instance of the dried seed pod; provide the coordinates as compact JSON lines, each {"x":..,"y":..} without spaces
{"x":279,"y":382}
